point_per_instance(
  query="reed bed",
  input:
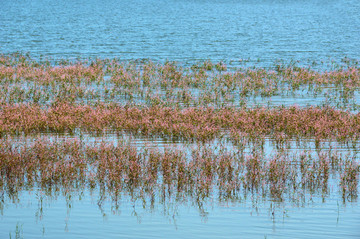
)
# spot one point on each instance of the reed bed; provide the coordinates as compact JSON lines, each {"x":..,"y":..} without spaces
{"x":199,"y":172}
{"x":191,"y":103}
{"x":170,"y":84}
{"x":200,"y":124}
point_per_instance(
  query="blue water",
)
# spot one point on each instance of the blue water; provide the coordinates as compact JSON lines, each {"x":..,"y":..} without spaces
{"x":184,"y":31}
{"x":80,"y":215}
{"x":84,"y":219}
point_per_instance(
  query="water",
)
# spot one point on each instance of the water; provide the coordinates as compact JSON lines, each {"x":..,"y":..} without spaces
{"x":109,"y":90}
{"x":226,"y":220}
{"x":87,"y":214}
{"x":185,"y":31}
{"x":96,"y":93}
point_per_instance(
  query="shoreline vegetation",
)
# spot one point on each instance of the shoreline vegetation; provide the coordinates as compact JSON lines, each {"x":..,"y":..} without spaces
{"x":200,"y":104}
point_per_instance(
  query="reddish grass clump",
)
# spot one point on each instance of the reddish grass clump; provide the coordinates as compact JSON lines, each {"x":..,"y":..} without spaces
{"x":190,"y":123}
{"x":169,"y":84}
{"x":192,"y":103}
{"x":69,"y":164}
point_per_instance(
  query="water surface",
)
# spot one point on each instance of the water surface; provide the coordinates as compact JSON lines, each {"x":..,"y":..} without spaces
{"x":183,"y":30}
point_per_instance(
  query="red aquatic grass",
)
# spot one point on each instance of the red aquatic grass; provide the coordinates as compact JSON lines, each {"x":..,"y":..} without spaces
{"x":72,"y":164}
{"x":349,"y":178}
{"x":190,"y":123}
{"x":27,"y":80}
{"x":78,"y":97}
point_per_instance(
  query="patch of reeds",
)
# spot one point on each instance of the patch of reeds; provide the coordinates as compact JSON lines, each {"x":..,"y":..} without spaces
{"x":169,"y":84}
{"x":191,"y":123}
{"x":199,"y":172}
{"x":199,"y":102}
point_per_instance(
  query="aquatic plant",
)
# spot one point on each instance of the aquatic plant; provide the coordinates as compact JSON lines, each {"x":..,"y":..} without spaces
{"x":204,"y":171}
{"x":170,"y":84}
{"x":196,"y":103}
{"x":190,"y":124}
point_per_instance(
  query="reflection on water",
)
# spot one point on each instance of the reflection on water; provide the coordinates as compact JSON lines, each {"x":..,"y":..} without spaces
{"x":69,"y":208}
{"x":266,"y":143}
{"x":90,"y":215}
{"x":29,"y":92}
{"x":186,"y":31}
{"x":203,"y":84}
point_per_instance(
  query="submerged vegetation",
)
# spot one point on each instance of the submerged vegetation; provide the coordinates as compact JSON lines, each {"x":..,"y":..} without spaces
{"x":199,"y":172}
{"x":206,"y":84}
{"x":208,"y":107}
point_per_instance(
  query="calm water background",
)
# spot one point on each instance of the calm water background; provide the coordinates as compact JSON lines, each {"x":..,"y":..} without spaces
{"x":84,"y":219}
{"x":185,"y":31}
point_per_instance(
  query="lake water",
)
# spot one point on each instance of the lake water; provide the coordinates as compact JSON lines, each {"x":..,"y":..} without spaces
{"x":184,"y":31}
{"x":84,"y":219}
{"x":82,"y":213}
